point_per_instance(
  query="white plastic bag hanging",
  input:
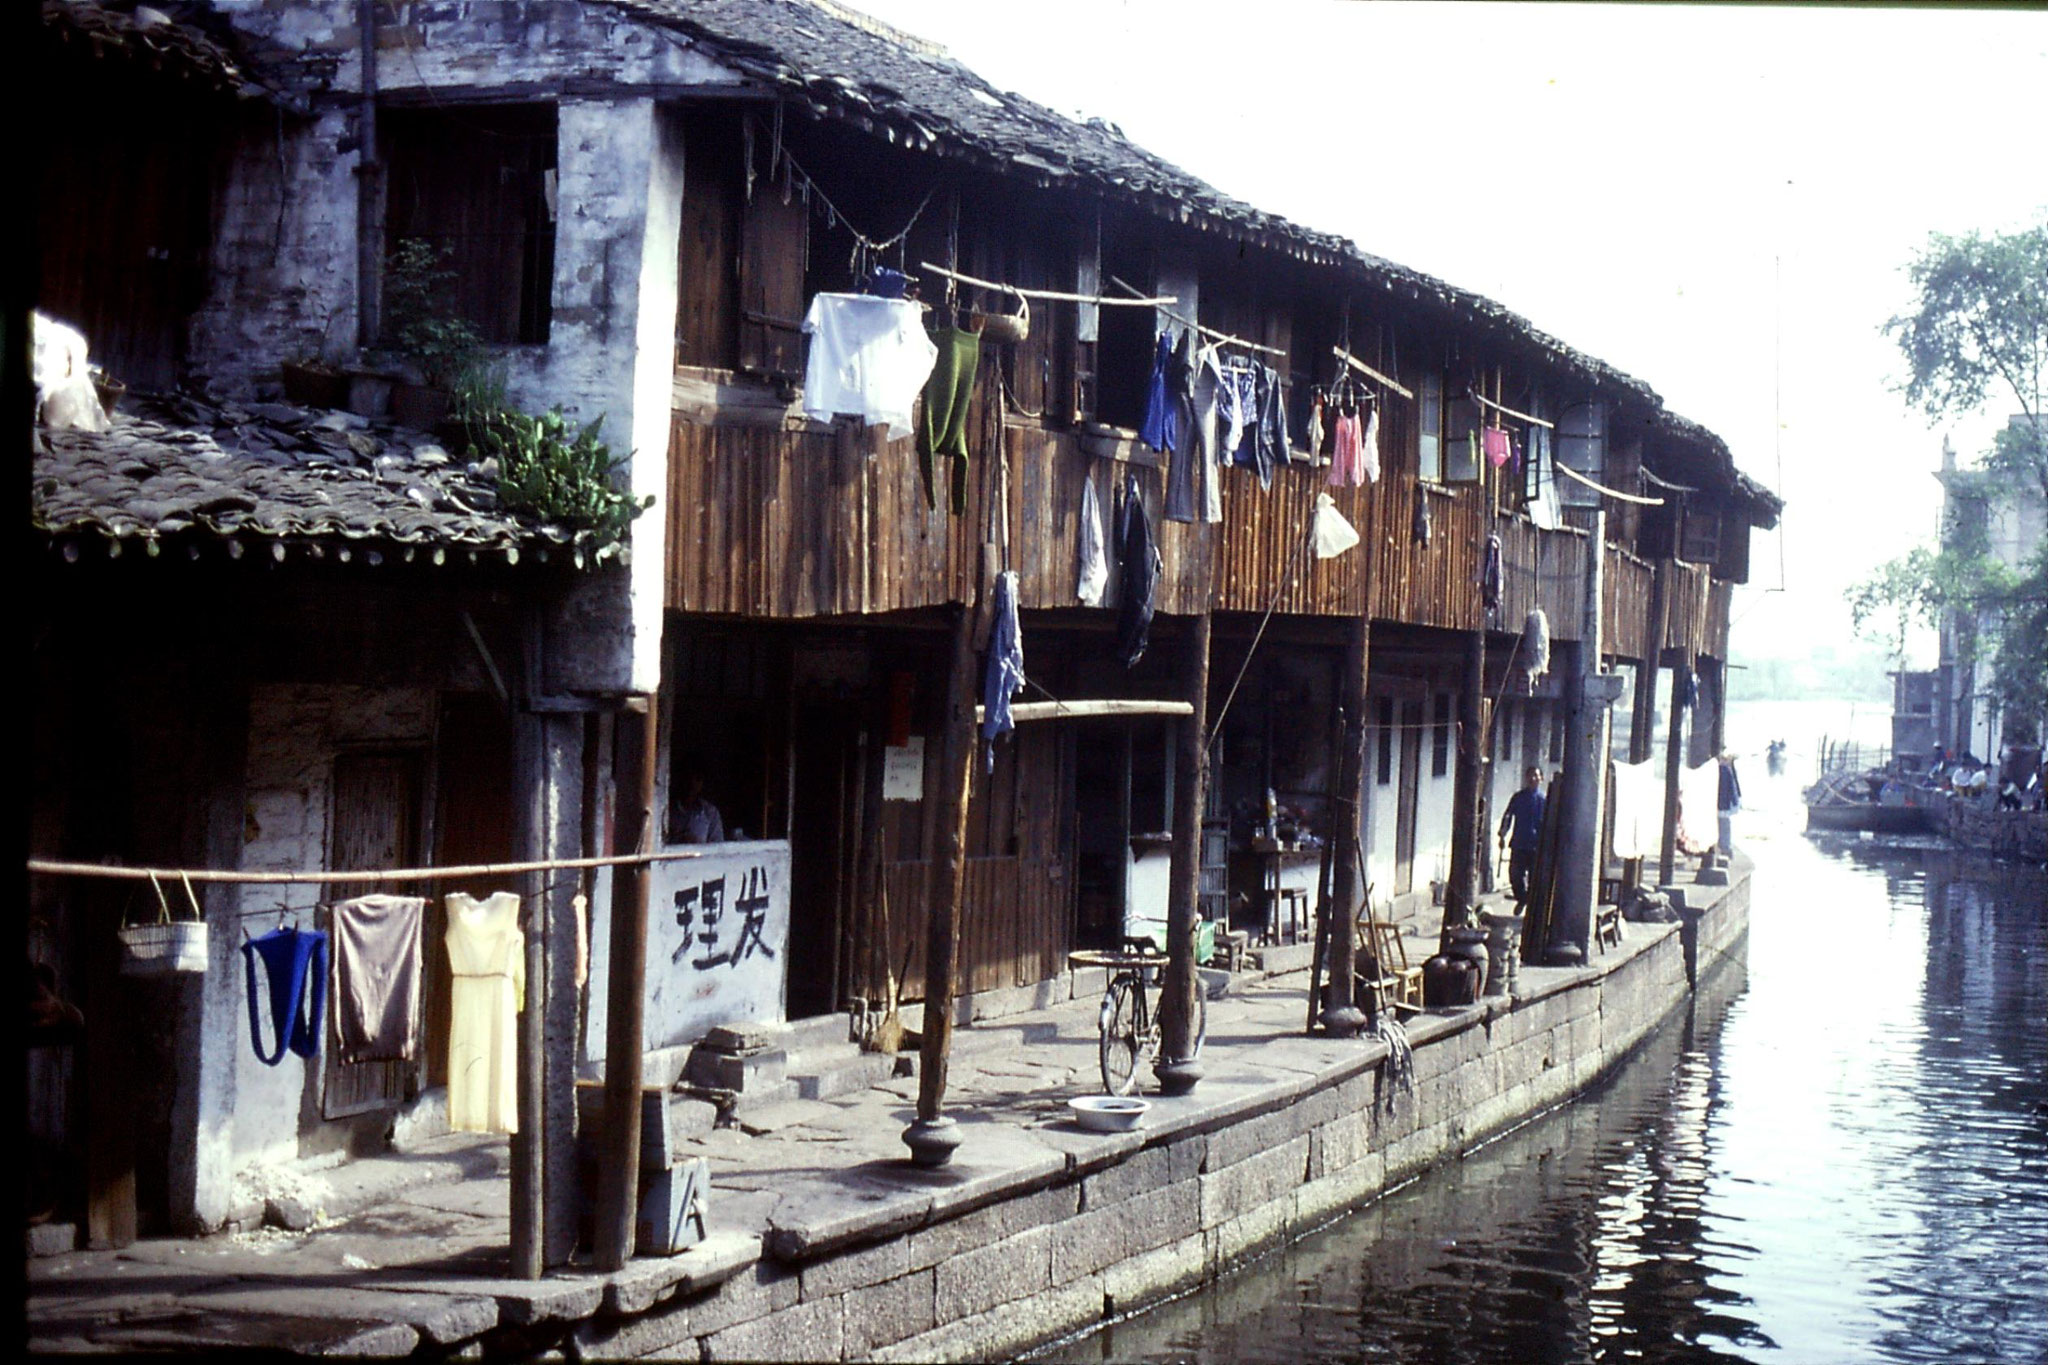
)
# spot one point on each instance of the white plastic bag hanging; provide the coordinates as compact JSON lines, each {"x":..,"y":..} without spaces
{"x":1333,"y":534}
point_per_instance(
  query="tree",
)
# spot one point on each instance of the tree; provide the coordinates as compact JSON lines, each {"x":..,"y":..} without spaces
{"x":1979,"y":331}
{"x":1980,"y":328}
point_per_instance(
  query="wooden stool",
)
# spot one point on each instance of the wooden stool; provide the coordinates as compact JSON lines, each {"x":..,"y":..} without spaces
{"x":1607,"y":926}
{"x":1290,"y":907}
{"x":1232,"y":945}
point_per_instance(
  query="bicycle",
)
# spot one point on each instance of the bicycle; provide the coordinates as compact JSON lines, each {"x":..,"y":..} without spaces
{"x":1128,"y":1028}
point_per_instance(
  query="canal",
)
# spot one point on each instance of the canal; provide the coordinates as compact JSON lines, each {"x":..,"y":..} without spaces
{"x":1841,"y":1156}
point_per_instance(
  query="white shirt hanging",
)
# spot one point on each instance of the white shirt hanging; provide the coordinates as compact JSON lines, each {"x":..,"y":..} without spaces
{"x":869,"y":358}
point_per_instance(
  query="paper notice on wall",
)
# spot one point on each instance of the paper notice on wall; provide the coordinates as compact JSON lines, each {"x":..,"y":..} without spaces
{"x":903,"y":771}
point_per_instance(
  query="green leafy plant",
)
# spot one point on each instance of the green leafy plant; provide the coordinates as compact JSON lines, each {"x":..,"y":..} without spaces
{"x":417,"y":280}
{"x":549,"y":468}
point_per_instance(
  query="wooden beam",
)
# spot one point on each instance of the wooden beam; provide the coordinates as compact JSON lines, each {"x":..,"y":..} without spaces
{"x":618,"y":1195}
{"x":1370,"y":373}
{"x":1055,"y":295}
{"x":1083,"y":710}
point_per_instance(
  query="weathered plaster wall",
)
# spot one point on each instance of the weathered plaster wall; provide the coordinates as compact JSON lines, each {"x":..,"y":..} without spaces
{"x":294,"y":733}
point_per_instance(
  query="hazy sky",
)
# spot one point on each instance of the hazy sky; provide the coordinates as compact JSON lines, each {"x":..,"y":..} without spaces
{"x":1718,"y":200}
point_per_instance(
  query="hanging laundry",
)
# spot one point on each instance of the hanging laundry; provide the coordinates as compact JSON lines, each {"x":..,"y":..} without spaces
{"x":942,"y":424}
{"x":1688,"y":689}
{"x":1161,"y":427}
{"x":1094,"y":567}
{"x":1638,"y":810}
{"x":1236,"y":405}
{"x":1544,"y":511}
{"x":1184,"y":469}
{"x":1489,"y":575}
{"x":377,"y":978}
{"x":1699,"y":820}
{"x":1138,"y":560}
{"x":868,"y":357}
{"x":1419,"y":527}
{"x":1206,"y":389}
{"x":1271,"y":430}
{"x":1347,"y":463}
{"x":295,"y":968}
{"x":1315,"y":425}
{"x":1369,"y":445}
{"x":1331,"y":531}
{"x":1003,"y":676}
{"x":885,"y":283}
{"x":487,"y":961}
{"x":1493,"y":441}
{"x":1535,"y":648}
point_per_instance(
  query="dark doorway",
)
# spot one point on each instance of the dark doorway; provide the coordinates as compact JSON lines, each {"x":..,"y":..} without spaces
{"x":825,"y":802}
{"x":475,"y":821}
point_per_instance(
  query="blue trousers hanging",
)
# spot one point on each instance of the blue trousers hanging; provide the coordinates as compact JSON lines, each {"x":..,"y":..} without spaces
{"x":295,"y":963}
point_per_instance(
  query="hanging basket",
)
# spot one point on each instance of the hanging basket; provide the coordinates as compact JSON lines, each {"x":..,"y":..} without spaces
{"x":167,"y":946}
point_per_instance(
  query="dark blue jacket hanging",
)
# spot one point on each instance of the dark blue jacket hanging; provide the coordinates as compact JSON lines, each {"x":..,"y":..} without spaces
{"x":295,"y":962}
{"x":1138,"y":560}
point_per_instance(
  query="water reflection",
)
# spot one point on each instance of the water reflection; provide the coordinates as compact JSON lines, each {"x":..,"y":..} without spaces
{"x":1842,"y":1157}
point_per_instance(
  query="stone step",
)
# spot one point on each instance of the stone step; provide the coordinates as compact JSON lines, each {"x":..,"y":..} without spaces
{"x":747,"y":1073}
{"x":828,"y":1079}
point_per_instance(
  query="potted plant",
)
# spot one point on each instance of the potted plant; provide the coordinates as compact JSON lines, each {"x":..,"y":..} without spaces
{"x":436,"y":347}
{"x":313,"y":383}
{"x":168,"y":945}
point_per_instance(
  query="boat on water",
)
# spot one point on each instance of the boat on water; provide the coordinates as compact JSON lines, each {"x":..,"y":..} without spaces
{"x":1872,"y":801}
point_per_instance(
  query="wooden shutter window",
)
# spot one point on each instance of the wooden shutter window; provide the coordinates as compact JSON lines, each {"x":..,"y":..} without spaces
{"x":773,"y":248}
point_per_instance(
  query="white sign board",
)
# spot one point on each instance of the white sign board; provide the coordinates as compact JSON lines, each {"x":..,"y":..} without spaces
{"x":903,"y":771}
{"x":717,"y":937}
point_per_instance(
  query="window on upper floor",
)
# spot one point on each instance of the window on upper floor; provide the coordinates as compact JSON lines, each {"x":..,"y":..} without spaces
{"x":1429,"y":427}
{"x":476,"y":184}
{"x":740,"y":259}
{"x":1461,"y":441}
{"x":1581,"y":443}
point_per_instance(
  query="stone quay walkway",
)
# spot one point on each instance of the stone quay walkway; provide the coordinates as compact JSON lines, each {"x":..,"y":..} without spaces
{"x":407,"y":1253}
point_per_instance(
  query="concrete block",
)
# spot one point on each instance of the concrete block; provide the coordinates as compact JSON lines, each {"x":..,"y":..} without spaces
{"x":647,"y":1280}
{"x":1253,"y":1182}
{"x":815,"y":1219}
{"x":1251,"y":1232}
{"x":1342,"y":1190}
{"x":944,"y":1241}
{"x":1089,"y":1242}
{"x":886,"y":1313}
{"x":855,"y":1269}
{"x":1009,"y":1331}
{"x":665,"y":1332}
{"x":1139,"y":1173}
{"x":977,"y":1281}
{"x":1162,"y":1216}
{"x":760,"y":1290}
{"x":1228,"y":1146}
{"x":1338,"y":1144}
{"x":1154,"y":1275}
{"x":806,"y":1331}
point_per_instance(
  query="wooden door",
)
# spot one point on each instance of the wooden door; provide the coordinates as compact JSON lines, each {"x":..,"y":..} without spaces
{"x":376,"y":823}
{"x":475,"y":821}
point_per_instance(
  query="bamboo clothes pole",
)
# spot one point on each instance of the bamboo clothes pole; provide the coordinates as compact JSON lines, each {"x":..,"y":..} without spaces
{"x":1343,"y":1018}
{"x":103,"y":871}
{"x":625,"y":1028}
{"x":933,"y":1138}
{"x":1178,"y":1068}
{"x":1051,"y":295}
{"x":1370,"y":373}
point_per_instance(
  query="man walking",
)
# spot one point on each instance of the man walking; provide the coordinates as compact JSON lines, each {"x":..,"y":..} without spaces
{"x":1520,"y":826}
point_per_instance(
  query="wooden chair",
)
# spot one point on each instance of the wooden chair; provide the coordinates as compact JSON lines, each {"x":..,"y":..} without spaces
{"x":1398,"y":984}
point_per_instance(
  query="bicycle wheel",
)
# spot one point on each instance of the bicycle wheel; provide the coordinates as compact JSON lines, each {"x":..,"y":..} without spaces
{"x":1120,"y":1043}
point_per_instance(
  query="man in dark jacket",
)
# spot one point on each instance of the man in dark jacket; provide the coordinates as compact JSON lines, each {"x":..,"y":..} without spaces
{"x":1520,"y":826}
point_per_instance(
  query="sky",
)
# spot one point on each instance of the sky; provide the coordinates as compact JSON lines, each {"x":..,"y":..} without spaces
{"x":1719,"y":200}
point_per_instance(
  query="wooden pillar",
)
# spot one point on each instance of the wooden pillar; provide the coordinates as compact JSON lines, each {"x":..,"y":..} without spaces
{"x":1178,"y":1070}
{"x":619,"y":1183}
{"x":529,"y":1143}
{"x":1465,"y":831}
{"x":1347,"y":890}
{"x":1577,"y":884}
{"x":933,"y":1137}
{"x":1674,"y":762}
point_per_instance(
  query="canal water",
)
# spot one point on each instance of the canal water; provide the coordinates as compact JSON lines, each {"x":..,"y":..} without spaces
{"x":1841,"y":1155}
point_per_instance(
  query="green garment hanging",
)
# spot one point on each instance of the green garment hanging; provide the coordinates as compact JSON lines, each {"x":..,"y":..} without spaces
{"x":942,"y":426}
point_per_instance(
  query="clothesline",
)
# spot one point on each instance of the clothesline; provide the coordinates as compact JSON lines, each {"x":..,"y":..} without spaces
{"x":50,"y":868}
{"x":1563,"y":468}
{"x":1666,"y":483}
{"x":1370,"y":373}
{"x":1506,"y":411}
{"x":1221,"y":338}
{"x":1055,"y":295}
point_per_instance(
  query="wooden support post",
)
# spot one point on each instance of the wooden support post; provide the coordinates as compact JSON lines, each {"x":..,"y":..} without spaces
{"x":528,"y":1144}
{"x":1585,"y":771}
{"x":1466,"y":835}
{"x":1643,"y":714}
{"x":933,"y":1138}
{"x":1178,"y":1069}
{"x":619,"y":1184}
{"x":1347,"y":891}
{"x":1674,"y":763}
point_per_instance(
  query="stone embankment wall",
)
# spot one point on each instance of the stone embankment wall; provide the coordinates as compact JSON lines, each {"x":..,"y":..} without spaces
{"x":2003,"y":833}
{"x":1159,"y":1212}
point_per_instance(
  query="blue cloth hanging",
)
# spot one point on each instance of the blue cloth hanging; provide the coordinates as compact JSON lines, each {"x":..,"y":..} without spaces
{"x":1161,"y":429}
{"x":295,"y":964}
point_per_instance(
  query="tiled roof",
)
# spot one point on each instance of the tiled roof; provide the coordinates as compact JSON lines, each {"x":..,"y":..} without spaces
{"x":844,"y":65}
{"x":272,"y":476}
{"x":161,"y":40}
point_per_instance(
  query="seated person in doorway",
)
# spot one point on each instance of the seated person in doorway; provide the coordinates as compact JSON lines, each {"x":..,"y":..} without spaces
{"x":692,"y":819}
{"x":1520,"y":826}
